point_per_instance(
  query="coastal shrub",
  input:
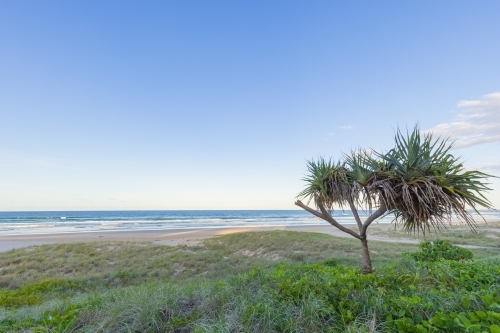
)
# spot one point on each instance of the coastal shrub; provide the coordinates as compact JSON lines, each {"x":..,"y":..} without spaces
{"x":409,"y":296}
{"x":486,"y":320}
{"x":396,"y":297}
{"x":439,"y":250}
{"x":331,"y":262}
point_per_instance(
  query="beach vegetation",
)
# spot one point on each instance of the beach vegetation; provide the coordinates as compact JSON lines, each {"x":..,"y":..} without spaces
{"x":30,"y":294}
{"x":419,"y":182}
{"x":115,"y":263}
{"x":237,"y":283}
{"x":404,"y":296}
{"x":440,"y":250}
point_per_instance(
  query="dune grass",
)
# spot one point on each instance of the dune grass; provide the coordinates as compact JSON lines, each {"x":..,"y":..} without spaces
{"x":223,"y":284}
{"x":118,"y":263}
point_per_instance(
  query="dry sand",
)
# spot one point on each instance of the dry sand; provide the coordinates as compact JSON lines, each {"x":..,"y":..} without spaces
{"x":163,"y":237}
{"x":192,"y":236}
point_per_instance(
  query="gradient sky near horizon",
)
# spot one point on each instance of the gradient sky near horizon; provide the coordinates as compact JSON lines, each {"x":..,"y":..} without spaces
{"x":218,"y":104}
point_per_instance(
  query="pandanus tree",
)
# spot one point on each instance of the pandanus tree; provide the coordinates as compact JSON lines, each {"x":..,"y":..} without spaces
{"x":418,"y":182}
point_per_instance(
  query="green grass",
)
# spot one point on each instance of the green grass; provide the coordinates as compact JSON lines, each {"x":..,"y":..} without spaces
{"x":125,"y":263}
{"x":227,"y":283}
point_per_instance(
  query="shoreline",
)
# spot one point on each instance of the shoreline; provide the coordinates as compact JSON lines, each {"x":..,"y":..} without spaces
{"x":193,"y":236}
{"x":169,"y":237}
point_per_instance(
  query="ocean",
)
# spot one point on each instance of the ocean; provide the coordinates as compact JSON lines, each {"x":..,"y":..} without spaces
{"x":44,"y":222}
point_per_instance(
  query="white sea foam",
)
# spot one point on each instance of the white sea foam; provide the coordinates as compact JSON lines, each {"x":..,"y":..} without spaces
{"x":42,"y":222}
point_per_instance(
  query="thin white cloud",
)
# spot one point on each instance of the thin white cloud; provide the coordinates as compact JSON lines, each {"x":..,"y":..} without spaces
{"x":477,"y":122}
{"x":492,"y":168}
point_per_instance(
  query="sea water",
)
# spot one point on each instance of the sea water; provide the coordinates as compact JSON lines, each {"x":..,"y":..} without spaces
{"x":43,"y":222}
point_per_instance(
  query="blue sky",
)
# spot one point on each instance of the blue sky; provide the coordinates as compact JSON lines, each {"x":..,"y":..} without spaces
{"x":218,"y":104}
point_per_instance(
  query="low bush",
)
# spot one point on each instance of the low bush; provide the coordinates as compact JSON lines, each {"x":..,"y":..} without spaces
{"x":440,"y":250}
{"x":331,"y":262}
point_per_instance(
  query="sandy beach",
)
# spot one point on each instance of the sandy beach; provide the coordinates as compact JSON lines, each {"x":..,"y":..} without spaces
{"x":172,"y":237}
{"x":164,"y":237}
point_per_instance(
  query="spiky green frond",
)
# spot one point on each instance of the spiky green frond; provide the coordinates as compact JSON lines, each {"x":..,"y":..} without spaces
{"x":327,"y":181}
{"x":361,"y":167}
{"x":419,"y":181}
{"x":428,"y":185}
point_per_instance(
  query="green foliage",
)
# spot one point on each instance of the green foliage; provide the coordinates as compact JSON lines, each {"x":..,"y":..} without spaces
{"x":56,"y":321}
{"x":33,"y":293}
{"x":407,"y":296}
{"x":428,"y":297}
{"x":473,"y":321}
{"x":410,"y":296}
{"x":439,"y":250}
{"x":419,"y":181}
{"x":331,"y":262}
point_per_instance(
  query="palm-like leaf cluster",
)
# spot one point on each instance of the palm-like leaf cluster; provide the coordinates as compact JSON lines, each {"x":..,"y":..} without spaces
{"x":418,"y":181}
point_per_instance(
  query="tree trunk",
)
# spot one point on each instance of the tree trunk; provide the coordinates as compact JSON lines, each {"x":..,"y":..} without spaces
{"x":366,"y":262}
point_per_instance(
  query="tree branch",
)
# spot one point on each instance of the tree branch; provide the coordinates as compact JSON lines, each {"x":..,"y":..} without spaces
{"x":382,"y":209}
{"x":356,"y":216}
{"x":309,"y":209}
{"x":324,"y":215}
{"x":332,"y":221}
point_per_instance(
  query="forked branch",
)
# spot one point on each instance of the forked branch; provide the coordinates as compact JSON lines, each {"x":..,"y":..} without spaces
{"x":356,"y":215}
{"x":381,"y":211}
{"x":325,"y":215}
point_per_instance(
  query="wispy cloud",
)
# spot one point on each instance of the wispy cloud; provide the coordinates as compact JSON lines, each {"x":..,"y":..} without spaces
{"x":490,"y":167}
{"x":477,"y":122}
